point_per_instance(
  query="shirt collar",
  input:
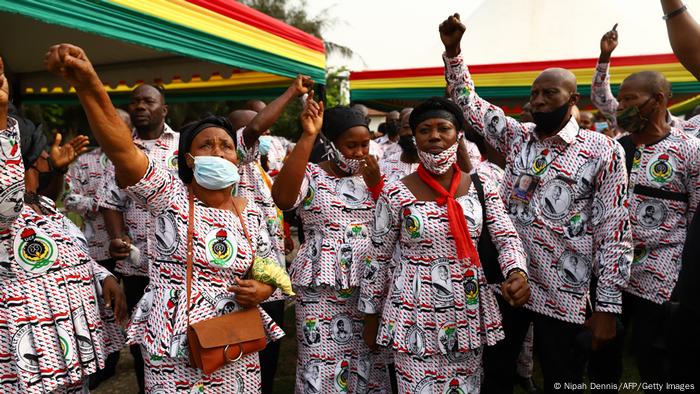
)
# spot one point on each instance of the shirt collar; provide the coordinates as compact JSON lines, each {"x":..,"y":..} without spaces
{"x":168,"y":133}
{"x":567,"y":134}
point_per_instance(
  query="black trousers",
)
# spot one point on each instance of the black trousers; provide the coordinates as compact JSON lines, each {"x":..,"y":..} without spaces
{"x":684,"y":346}
{"x":556,"y":345}
{"x":270,"y":355}
{"x":133,"y":289}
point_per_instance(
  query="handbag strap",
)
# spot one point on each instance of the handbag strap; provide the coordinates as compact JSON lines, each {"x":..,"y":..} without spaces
{"x":190,"y":241}
{"x":190,"y":233}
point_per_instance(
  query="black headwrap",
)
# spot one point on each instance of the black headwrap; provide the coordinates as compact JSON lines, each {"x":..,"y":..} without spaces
{"x":437,"y":107}
{"x":187,"y":134}
{"x":338,"y":119}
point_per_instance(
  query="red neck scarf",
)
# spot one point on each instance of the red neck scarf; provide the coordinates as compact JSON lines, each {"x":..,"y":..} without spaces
{"x":455,"y":214}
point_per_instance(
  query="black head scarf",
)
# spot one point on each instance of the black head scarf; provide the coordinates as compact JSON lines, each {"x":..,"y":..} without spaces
{"x":437,"y":107}
{"x":337,"y":120}
{"x":187,"y":134}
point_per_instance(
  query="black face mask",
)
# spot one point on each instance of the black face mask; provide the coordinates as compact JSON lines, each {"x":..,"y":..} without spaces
{"x":408,"y":145}
{"x":549,"y":122}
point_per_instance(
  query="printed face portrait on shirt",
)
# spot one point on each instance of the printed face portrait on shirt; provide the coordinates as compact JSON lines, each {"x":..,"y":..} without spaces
{"x":573,"y":269}
{"x":442,"y":283}
{"x":166,"y":234}
{"x":351,"y":192}
{"x":651,"y":213}
{"x":494,"y":122}
{"x":525,"y":186}
{"x":556,"y":199}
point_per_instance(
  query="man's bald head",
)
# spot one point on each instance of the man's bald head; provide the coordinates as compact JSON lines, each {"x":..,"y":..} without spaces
{"x":561,"y":75}
{"x":363,"y":109}
{"x":393,"y":116}
{"x":651,"y":82}
{"x":241,"y":117}
{"x":255,"y":105}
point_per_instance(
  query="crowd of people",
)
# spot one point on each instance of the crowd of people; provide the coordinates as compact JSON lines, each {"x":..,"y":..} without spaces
{"x":441,"y":257}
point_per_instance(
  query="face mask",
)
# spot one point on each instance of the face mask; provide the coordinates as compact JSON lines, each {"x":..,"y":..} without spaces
{"x":438,"y":164}
{"x":214,"y":173}
{"x":631,"y":119}
{"x":601,"y":126}
{"x":350,"y":166}
{"x":408,"y":144}
{"x":549,"y":122}
{"x":264,"y":143}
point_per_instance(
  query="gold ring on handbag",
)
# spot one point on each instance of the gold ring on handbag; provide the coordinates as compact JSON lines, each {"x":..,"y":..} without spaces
{"x":240,"y":354}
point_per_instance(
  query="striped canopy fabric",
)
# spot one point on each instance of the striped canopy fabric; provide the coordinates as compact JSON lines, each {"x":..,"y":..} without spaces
{"x":134,"y":41}
{"x":510,"y":82}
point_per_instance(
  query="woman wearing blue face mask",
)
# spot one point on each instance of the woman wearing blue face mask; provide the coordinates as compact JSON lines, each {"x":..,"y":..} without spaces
{"x":335,"y":204}
{"x":227,"y":233}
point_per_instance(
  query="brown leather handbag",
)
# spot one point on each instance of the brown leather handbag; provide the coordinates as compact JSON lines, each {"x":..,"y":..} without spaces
{"x":220,"y":340}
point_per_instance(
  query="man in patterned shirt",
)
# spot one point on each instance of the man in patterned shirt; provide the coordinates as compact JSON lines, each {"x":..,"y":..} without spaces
{"x":585,"y":172}
{"x":603,"y":99}
{"x":132,"y":232}
{"x":664,"y":186}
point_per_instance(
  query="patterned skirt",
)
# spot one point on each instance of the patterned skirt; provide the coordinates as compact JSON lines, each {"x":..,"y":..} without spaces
{"x":439,"y":374}
{"x":332,"y":355}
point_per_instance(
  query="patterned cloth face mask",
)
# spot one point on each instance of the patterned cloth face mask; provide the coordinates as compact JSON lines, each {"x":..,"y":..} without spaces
{"x":439,"y":163}
{"x":350,"y":166}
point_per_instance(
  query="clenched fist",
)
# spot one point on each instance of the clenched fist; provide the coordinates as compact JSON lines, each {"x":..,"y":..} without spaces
{"x":71,"y":63}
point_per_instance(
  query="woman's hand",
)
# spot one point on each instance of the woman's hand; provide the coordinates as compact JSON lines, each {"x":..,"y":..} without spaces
{"x":71,"y":63}
{"x":312,"y":117}
{"x":451,"y":32}
{"x":370,"y":172}
{"x":516,"y":289}
{"x":62,"y":156}
{"x":114,"y":298}
{"x":250,"y":293}
{"x":369,"y":331}
{"x":301,"y":85}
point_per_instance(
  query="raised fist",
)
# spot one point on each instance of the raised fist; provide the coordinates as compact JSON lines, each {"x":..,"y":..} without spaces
{"x":71,"y":63}
{"x":608,"y":42}
{"x":451,"y":32}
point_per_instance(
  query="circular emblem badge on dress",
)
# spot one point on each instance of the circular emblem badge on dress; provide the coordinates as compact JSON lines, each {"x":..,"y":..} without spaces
{"x":573,"y":269}
{"x":448,"y":342}
{"x":442,"y":282}
{"x":471,"y":291}
{"x":265,"y":244}
{"x":314,"y":244}
{"x":143,"y":308}
{"x":312,"y":377}
{"x":178,"y":346}
{"x":460,"y":385}
{"x":225,"y":303}
{"x":12,"y":200}
{"x":597,"y":211}
{"x":341,"y":376}
{"x":363,"y":365}
{"x":341,"y":329}
{"x":540,"y":164}
{"x":158,"y":389}
{"x":661,"y":168}
{"x":312,"y":331}
{"x":555,"y":199}
{"x":82,"y":336}
{"x":344,"y":259}
{"x":104,"y":161}
{"x":36,"y":252}
{"x":167,"y":237}
{"x":637,"y":157}
{"x":309,"y":198}
{"x":172,"y":162}
{"x":521,"y":211}
{"x":412,"y":222}
{"x":640,"y":254}
{"x":651,"y":213}
{"x":221,"y":247}
{"x":66,"y":343}
{"x":494,"y":122}
{"x":351,"y":191}
{"x":382,"y":218}
{"x":585,"y":178}
{"x":371,"y":269}
{"x":576,"y":226}
{"x":355,"y":232}
{"x":23,"y":346}
{"x":415,"y":341}
{"x":425,"y":386}
{"x":472,"y":213}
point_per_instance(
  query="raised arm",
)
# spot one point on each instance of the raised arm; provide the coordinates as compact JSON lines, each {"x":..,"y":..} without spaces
{"x":601,"y":94}
{"x":285,"y":190}
{"x":12,"y":168}
{"x":487,"y":119}
{"x":71,"y":63}
{"x":269,"y":115}
{"x":684,"y":35}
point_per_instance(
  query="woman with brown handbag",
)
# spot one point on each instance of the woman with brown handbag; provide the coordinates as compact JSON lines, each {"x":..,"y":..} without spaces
{"x":335,"y":201}
{"x":196,"y":277}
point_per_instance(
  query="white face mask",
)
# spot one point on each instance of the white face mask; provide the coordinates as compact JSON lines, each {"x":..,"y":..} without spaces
{"x":214,"y":173}
{"x":438,"y":164}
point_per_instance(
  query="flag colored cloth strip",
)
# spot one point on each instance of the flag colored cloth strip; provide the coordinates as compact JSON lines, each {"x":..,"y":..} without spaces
{"x":182,"y":28}
{"x":511,"y":79}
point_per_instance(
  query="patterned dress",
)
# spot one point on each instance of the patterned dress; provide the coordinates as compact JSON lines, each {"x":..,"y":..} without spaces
{"x":256,"y":185}
{"x":337,"y":215}
{"x":145,"y":235}
{"x":603,"y":99}
{"x":575,"y":222}
{"x":437,"y":313}
{"x":82,"y":183}
{"x":664,"y":195}
{"x":221,"y":254}
{"x":394,"y":169}
{"x":51,"y":334}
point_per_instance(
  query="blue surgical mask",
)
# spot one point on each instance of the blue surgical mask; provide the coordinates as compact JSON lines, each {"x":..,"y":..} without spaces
{"x":264,"y":143}
{"x":214,"y":173}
